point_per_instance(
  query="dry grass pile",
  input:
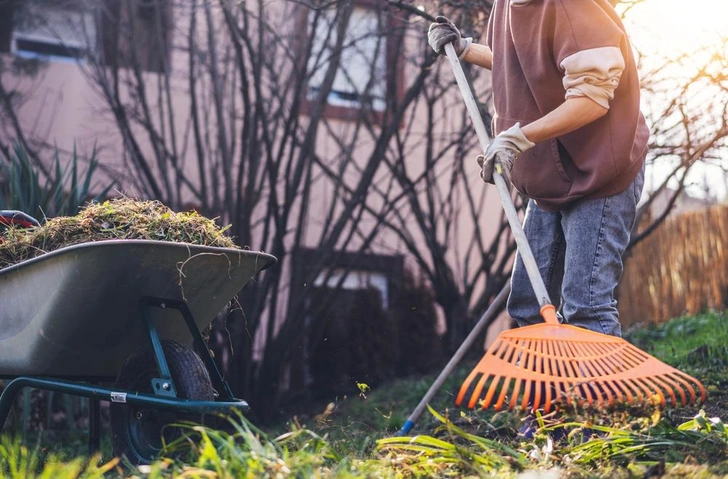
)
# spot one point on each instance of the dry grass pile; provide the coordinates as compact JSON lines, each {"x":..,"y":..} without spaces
{"x":120,"y":218}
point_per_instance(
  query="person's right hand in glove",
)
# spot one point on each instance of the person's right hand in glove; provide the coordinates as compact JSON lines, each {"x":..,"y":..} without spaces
{"x":502,"y":152}
{"x":442,"y":32}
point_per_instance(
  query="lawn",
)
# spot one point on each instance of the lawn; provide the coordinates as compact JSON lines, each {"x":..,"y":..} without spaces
{"x":354,"y":437}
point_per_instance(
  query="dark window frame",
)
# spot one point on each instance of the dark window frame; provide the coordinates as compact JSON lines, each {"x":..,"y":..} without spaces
{"x":393,"y":52}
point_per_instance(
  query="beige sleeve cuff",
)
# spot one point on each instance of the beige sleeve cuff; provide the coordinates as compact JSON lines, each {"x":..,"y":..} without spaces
{"x":593,"y":73}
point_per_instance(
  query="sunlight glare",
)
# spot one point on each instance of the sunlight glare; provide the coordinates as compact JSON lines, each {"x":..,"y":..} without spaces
{"x":676,"y":25}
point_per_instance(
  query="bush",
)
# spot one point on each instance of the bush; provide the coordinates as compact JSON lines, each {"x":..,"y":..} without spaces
{"x":60,"y":193}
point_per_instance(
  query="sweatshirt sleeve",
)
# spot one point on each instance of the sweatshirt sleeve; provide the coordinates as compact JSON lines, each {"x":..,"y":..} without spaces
{"x":593,"y":73}
{"x":588,"y":48}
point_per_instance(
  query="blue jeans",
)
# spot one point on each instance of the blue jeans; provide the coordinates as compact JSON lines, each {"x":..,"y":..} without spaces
{"x":579,"y":254}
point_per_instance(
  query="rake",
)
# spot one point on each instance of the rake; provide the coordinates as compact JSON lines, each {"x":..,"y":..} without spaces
{"x":536,"y":365}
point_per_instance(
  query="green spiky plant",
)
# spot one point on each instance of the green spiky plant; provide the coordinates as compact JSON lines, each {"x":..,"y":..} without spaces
{"x":62,"y":192}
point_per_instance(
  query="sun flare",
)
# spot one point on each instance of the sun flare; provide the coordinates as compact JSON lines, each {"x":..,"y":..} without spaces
{"x":675,"y":26}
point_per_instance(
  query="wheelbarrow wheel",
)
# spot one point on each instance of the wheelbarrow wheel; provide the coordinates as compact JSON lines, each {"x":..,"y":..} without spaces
{"x":139,"y":432}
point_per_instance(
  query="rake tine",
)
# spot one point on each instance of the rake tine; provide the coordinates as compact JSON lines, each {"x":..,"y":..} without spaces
{"x":671,"y":387}
{"x":602,"y":359}
{"x":610,"y":392}
{"x":547,"y":399}
{"x":496,"y":349}
{"x":602,"y":392}
{"x":571,"y":361}
{"x":502,"y":396}
{"x":642,"y":394}
{"x":601,"y":369}
{"x":632,"y":393}
{"x":516,"y":390}
{"x":583,"y":391}
{"x":627,"y":391}
{"x":678,"y":378}
{"x":530,"y":362}
{"x":609,"y":360}
{"x":529,"y":396}
{"x":513,"y":353}
{"x":633,"y":358}
{"x":554,"y":368}
{"x":541,"y":370}
{"x":663,"y":383}
{"x":560,"y":361}
{"x":491,"y":391}
{"x":662,"y":380}
{"x":652,"y":391}
{"x":691,"y":388}
{"x":621,"y":392}
{"x":466,"y":385}
{"x":476,"y":392}
{"x":676,"y":386}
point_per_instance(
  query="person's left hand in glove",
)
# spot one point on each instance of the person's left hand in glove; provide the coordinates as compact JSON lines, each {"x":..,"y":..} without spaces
{"x":442,"y":32}
{"x":503,"y":151}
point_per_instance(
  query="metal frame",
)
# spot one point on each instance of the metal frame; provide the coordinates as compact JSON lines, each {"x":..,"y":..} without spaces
{"x":164,"y":396}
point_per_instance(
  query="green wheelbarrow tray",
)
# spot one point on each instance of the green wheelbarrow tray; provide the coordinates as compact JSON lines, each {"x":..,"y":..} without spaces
{"x":75,"y":312}
{"x":127,"y":312}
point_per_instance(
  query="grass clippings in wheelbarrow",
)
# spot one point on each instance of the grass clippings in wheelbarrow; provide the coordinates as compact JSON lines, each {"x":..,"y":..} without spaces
{"x":120,"y":218}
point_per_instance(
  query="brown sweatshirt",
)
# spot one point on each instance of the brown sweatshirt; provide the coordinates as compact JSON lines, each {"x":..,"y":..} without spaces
{"x":545,"y":51}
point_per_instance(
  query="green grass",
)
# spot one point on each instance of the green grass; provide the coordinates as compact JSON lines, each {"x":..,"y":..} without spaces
{"x":697,"y":345}
{"x":18,"y":461}
{"x":354,"y":437}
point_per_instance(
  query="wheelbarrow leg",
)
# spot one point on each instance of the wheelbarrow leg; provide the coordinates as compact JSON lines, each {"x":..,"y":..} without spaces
{"x":94,"y":426}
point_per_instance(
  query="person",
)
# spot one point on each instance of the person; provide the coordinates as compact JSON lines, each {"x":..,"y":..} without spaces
{"x":569,"y":136}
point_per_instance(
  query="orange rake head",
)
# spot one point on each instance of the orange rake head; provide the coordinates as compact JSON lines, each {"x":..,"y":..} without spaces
{"x":533,"y":366}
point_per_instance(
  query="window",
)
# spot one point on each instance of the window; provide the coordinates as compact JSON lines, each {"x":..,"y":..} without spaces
{"x":54,"y":30}
{"x":120,"y":33}
{"x":361,"y":76}
{"x":355,"y":280}
{"x":136,"y":32}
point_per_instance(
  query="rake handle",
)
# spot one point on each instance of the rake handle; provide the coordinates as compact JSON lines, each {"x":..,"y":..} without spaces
{"x":548,"y":311}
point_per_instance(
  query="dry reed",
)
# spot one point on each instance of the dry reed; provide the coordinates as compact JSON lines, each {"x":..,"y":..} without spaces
{"x":679,"y":269}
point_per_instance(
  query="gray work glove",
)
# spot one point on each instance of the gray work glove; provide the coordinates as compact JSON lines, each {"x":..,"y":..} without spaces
{"x":442,"y":32}
{"x":502,"y":152}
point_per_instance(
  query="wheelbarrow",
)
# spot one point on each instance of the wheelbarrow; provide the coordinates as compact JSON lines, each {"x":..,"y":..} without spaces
{"x":126,"y":314}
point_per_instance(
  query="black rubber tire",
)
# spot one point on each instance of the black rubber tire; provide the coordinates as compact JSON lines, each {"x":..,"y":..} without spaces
{"x":136,"y":433}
